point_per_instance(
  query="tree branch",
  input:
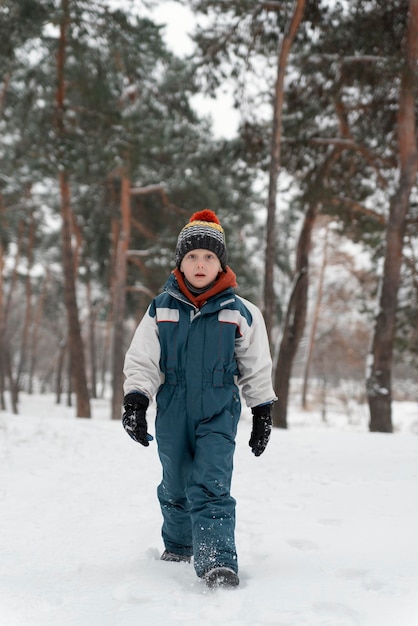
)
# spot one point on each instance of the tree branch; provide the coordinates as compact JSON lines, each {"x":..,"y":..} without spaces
{"x":142,"y":289}
{"x":131,"y":253}
{"x":358,"y":208}
{"x":360,"y":58}
{"x":158,"y":189}
{"x":144,"y":191}
{"x":272,"y":5}
{"x":374,"y":160}
{"x":143,"y":229}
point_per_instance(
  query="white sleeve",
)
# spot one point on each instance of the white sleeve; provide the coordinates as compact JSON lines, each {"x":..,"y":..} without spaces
{"x":252,"y":351}
{"x":142,"y":359}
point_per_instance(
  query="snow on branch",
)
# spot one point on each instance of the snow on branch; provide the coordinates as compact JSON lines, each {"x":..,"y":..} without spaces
{"x":157,"y":189}
{"x":138,"y":252}
{"x":357,"y":58}
{"x":144,"y":191}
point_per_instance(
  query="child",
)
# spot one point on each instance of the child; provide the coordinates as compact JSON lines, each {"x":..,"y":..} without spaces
{"x":195,"y":342}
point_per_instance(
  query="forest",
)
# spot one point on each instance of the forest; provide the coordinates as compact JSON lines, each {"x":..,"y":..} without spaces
{"x":103,"y":158}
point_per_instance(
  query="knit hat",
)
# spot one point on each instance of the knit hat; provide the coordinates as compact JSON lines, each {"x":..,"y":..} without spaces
{"x":203,"y":231}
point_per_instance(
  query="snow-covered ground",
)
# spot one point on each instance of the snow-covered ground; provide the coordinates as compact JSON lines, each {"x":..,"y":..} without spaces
{"x":327,"y":525}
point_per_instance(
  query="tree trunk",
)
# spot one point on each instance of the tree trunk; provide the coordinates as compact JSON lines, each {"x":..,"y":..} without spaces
{"x":35,"y":331}
{"x":119,"y":296}
{"x":2,"y":335}
{"x":15,"y":272}
{"x":62,"y":349}
{"x":378,"y":380}
{"x":5,"y":308}
{"x":24,"y":346}
{"x":12,"y":382}
{"x":295,"y":320}
{"x":315,"y":320}
{"x":104,"y":366}
{"x":75,"y":343}
{"x":5,"y":360}
{"x":274,"y":170}
{"x":92,"y":336}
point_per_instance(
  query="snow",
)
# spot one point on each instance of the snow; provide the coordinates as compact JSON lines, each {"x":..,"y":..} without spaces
{"x":326,"y":526}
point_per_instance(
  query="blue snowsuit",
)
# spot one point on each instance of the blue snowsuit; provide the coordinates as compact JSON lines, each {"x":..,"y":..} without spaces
{"x":192,"y":359}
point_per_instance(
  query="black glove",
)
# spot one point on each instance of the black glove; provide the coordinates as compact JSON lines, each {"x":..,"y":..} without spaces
{"x":133,"y":418}
{"x":261,"y":431}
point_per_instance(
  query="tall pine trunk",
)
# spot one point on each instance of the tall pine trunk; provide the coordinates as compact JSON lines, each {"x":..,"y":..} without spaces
{"x":75,"y":342}
{"x":315,"y":320}
{"x":24,"y":346}
{"x":378,"y":380}
{"x":275,"y":162}
{"x":91,"y":336}
{"x":295,"y":320}
{"x":33,"y":352}
{"x":119,"y":299}
{"x":2,"y":335}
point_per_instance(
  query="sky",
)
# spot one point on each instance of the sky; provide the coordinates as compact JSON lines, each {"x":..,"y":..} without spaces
{"x":179,"y":22}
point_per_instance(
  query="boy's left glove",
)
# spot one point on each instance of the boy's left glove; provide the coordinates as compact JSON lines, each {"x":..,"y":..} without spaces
{"x":133,"y":418}
{"x":261,"y":431}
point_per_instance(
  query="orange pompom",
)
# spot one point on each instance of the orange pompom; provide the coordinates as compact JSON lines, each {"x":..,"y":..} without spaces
{"x":205,"y":216}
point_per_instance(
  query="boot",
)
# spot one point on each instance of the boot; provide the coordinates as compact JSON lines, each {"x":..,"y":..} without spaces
{"x":221,"y":577}
{"x":175,"y":558}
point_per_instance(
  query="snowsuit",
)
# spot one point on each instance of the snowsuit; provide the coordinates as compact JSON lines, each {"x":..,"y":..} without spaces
{"x":192,"y":359}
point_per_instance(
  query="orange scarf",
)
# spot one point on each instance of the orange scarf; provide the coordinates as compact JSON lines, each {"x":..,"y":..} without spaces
{"x":225,"y":280}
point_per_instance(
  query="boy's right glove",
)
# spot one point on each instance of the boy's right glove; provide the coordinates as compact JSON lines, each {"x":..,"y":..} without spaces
{"x":133,"y":418}
{"x":261,"y":431}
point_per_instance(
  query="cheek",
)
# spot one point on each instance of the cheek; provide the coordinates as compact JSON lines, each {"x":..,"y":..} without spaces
{"x":217,"y":270}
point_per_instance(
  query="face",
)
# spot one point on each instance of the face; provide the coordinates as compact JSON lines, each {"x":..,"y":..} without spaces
{"x":200,"y":267}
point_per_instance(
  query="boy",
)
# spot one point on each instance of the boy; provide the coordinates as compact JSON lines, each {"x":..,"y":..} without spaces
{"x":195,"y":342}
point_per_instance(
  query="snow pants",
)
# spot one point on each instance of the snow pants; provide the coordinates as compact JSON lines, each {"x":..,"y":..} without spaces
{"x":196,"y":453}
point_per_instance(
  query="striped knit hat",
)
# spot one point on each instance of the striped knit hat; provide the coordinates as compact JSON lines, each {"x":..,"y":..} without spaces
{"x":203,"y":231}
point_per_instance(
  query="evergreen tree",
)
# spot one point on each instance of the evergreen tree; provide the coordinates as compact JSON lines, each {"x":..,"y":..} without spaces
{"x":340,"y":117}
{"x":123,"y":109}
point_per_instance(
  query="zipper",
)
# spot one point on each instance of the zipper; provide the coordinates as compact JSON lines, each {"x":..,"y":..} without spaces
{"x":195,"y":312}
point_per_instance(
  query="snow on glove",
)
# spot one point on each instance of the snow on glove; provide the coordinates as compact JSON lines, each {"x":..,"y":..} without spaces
{"x":261,"y":431}
{"x":135,"y":406}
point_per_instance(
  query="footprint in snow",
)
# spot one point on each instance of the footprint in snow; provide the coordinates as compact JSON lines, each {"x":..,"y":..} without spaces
{"x":336,"y":613}
{"x":304,"y":545}
{"x":369,"y":582}
{"x":330,"y":522}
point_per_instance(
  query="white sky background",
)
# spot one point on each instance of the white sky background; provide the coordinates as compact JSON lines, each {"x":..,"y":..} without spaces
{"x":179,"y":22}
